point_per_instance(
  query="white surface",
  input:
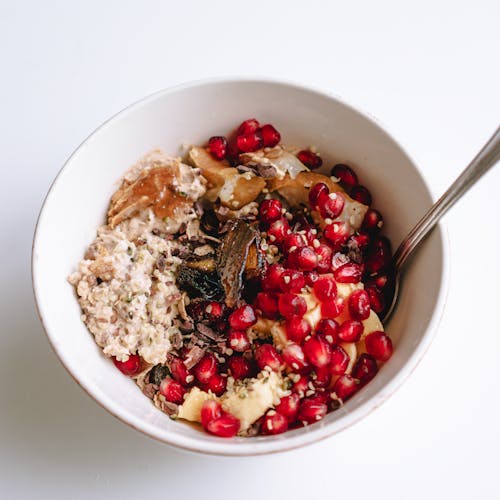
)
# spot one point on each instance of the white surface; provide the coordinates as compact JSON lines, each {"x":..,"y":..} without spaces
{"x":429,"y":72}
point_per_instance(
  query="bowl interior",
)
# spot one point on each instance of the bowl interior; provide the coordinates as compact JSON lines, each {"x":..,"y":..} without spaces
{"x":78,"y":199}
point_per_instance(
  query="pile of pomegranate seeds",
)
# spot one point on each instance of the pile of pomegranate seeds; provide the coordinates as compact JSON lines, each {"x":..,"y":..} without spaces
{"x":307,"y":320}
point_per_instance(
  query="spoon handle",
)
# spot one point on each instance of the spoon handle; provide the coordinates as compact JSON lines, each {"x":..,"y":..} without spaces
{"x":484,"y":160}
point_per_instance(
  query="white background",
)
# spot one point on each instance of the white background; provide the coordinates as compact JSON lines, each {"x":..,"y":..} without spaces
{"x":429,"y":71}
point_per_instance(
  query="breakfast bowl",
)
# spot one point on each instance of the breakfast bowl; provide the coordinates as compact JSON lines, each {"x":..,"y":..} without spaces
{"x":77,"y":203}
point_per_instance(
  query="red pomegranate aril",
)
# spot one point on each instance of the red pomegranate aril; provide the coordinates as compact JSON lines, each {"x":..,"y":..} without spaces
{"x":365,"y":368}
{"x":337,"y":233}
{"x":379,"y":281}
{"x":289,"y":406}
{"x":318,"y":351}
{"x":291,"y":304}
{"x":267,"y":302}
{"x":249,"y":142}
{"x":358,"y":242}
{"x":294,"y":357}
{"x":248,"y":127}
{"x":325,"y":288}
{"x":210,"y":410}
{"x":214,"y":311}
{"x":309,"y":159}
{"x":359,"y":305}
{"x":328,"y":328}
{"x":379,"y":345}
{"x":277,"y":231}
{"x":307,"y":259}
{"x":238,"y":341}
{"x":345,"y":174}
{"x":274,"y":423}
{"x":293,"y":241}
{"x":331,"y":206}
{"x":321,"y":377}
{"x":312,"y":410}
{"x":239,"y":367}
{"x":361,"y":194}
{"x":325,"y":254}
{"x":206,"y":368}
{"x":217,"y":384}
{"x":379,"y":255}
{"x":242,"y":318}
{"x":311,"y":277}
{"x":291,"y":261}
{"x":130,"y":367}
{"x":372,"y":221}
{"x":348,"y":273}
{"x":272,"y":279}
{"x":179,"y":371}
{"x":339,"y":361}
{"x":332,"y":308}
{"x":270,"y":136}
{"x":292,"y":281}
{"x":301,"y":386}
{"x":339,"y":259}
{"x":377,"y":300}
{"x":297,"y":329}
{"x":345,"y":387}
{"x":267,"y":355}
{"x":319,"y":190}
{"x":172,"y":391}
{"x":270,"y":210}
{"x":350,"y":330}
{"x":225,"y":426}
{"x":217,"y":147}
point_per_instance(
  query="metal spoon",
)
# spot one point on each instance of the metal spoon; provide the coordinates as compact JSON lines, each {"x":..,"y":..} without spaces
{"x":484,"y":160}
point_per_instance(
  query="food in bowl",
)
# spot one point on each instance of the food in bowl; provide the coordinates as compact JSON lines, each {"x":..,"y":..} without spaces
{"x":237,"y":286}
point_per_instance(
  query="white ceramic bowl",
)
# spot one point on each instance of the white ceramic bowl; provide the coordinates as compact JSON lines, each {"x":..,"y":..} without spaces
{"x":77,"y":201}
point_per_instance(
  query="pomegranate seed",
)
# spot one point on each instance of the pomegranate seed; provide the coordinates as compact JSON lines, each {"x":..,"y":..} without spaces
{"x":210,"y":410}
{"x":225,"y":426}
{"x":309,"y":159}
{"x":345,"y":387}
{"x":301,"y":387}
{"x":307,"y":259}
{"x":172,"y":390}
{"x":293,"y":240}
{"x":379,"y":345}
{"x":292,"y":305}
{"x":270,"y":135}
{"x":379,"y":255}
{"x":266,"y":355}
{"x":361,"y":194}
{"x":297,"y":329}
{"x":359,"y":305}
{"x":325,"y":288}
{"x":317,"y":351}
{"x":248,"y":127}
{"x":278,"y":230}
{"x":350,"y":330}
{"x":206,"y":368}
{"x":319,"y":190}
{"x":340,"y":360}
{"x":239,"y":367}
{"x":358,"y":242}
{"x":332,"y":308}
{"x":331,"y":206}
{"x":322,"y":376}
{"x":249,"y":142}
{"x":242,"y":318}
{"x":311,"y":277}
{"x":328,"y":328}
{"x":289,"y":406}
{"x":337,"y":233}
{"x":130,"y":367}
{"x":324,"y":258}
{"x":339,"y":259}
{"x":379,"y":281}
{"x":267,"y":302}
{"x":291,"y":261}
{"x":214,"y":311}
{"x":232,"y":153}
{"x":373,"y":220}
{"x":217,"y":384}
{"x":345,"y":174}
{"x":292,"y":281}
{"x":217,"y":146}
{"x":270,"y":210}
{"x":179,"y":371}
{"x":348,"y":273}
{"x":274,"y":423}
{"x":311,"y":410}
{"x":377,"y":300}
{"x":272,"y":279}
{"x":294,"y":357}
{"x":365,"y":368}
{"x":238,"y":341}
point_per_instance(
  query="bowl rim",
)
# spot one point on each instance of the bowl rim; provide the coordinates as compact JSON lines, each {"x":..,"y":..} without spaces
{"x":224,"y":447}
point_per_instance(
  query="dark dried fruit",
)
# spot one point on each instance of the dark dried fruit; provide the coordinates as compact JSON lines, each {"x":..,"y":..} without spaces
{"x":199,"y":283}
{"x":157,"y":374}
